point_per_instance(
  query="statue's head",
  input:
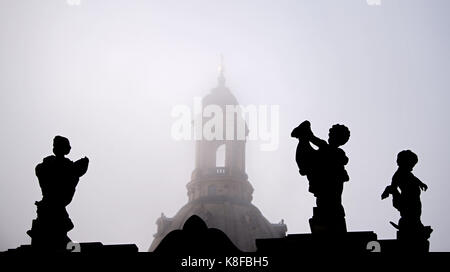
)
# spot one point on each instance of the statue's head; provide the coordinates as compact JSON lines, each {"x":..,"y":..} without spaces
{"x":407,"y":159}
{"x":338,"y":135}
{"x":61,"y":146}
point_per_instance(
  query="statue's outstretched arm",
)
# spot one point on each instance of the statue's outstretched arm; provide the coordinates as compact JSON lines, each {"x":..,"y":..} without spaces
{"x":421,"y":185}
{"x":81,"y":166}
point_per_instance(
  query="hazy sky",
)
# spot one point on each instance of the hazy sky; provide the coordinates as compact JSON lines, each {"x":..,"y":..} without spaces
{"x":106,"y":74}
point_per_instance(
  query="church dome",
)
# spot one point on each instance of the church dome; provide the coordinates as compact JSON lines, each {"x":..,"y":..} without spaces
{"x":220,"y":193}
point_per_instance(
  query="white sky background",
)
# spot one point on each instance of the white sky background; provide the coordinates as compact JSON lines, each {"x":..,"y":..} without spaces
{"x":106,"y":74}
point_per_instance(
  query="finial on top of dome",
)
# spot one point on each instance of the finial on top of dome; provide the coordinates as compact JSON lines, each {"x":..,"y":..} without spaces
{"x":221,"y":78}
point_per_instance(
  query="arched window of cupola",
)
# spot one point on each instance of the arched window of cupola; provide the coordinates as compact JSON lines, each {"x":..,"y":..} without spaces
{"x":220,"y":156}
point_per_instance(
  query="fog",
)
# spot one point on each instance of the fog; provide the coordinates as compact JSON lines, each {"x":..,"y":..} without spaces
{"x":107,"y":74}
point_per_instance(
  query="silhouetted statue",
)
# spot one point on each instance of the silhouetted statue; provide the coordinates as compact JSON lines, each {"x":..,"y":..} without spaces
{"x":58,"y":176}
{"x":196,"y":238}
{"x":407,"y":200}
{"x":325,"y":169}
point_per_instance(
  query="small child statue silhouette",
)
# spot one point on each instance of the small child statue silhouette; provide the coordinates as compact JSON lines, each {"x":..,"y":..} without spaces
{"x":407,"y":200}
{"x":58,"y":177}
{"x":325,"y":169}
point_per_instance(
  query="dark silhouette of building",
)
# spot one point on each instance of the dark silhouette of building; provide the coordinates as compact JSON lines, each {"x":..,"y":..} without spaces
{"x":196,"y":238}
